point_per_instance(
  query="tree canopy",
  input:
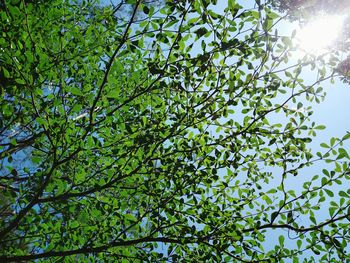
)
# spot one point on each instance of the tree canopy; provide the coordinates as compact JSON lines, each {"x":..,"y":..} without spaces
{"x":168,"y":131}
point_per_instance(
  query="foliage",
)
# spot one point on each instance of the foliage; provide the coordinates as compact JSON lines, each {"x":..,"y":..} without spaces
{"x":171,"y":134}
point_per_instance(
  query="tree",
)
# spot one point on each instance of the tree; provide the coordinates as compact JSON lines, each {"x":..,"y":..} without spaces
{"x":162,"y":134}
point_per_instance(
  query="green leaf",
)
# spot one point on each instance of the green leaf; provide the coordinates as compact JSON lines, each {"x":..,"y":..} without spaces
{"x":299,"y":243}
{"x":201,"y":32}
{"x":313,"y":220}
{"x":320,"y":127}
{"x":346,"y":136}
{"x":272,"y":15}
{"x":6,"y":73}
{"x":113,"y":94}
{"x":273,"y":216}
{"x":343,"y":154}
{"x":281,"y":240}
{"x":343,"y":194}
{"x":329,"y":192}
{"x":145,"y":9}
{"x":324,"y":145}
{"x":76,"y":91}
{"x":21,"y":81}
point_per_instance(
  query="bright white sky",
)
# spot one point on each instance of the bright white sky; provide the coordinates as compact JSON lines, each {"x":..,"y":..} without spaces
{"x":319,"y":34}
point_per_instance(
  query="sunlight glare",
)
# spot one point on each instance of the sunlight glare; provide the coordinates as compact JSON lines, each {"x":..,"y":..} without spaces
{"x":318,"y":35}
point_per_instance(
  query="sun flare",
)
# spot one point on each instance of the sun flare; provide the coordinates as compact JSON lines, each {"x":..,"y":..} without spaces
{"x":318,"y":35}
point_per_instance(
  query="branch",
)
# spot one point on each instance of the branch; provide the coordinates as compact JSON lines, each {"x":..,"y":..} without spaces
{"x":301,"y":229}
{"x":108,"y":67}
{"x":94,"y":249}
